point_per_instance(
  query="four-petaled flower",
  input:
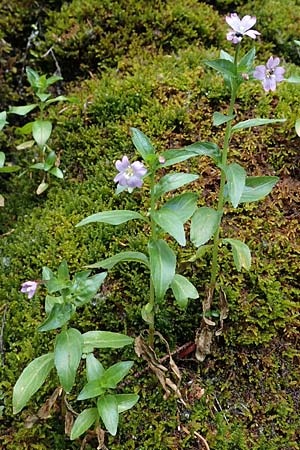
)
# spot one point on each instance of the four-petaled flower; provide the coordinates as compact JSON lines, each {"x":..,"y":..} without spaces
{"x":241,"y":27}
{"x":29,"y":288}
{"x":130,"y":175}
{"x":270,"y":74}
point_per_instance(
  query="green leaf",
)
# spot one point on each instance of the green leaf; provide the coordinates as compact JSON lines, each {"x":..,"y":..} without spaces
{"x":170,"y":223}
{"x":83,"y":422}
{"x":63,"y":271}
{"x":197,"y":149}
{"x":84,"y":290}
{"x":204,"y":223}
{"x":33,"y":77}
{"x":105,"y":339}
{"x":94,"y":368}
{"x":22,"y":110}
{"x":162,"y":266}
{"x":67,"y":355}
{"x":184,"y":205}
{"x":42,"y":187}
{"x":255,"y":123}
{"x":2,"y":159}
{"x":91,"y":390}
{"x":53,"y":79}
{"x":173,"y":181}
{"x":109,"y":263}
{"x":247,"y":60}
{"x":125,"y":401}
{"x":9,"y":169}
{"x":41,"y":131}
{"x":50,"y":301}
{"x":227,"y":56}
{"x":219,"y":119}
{"x":42,"y":96}
{"x":257,"y":188}
{"x":60,"y":98}
{"x":241,"y":253}
{"x":114,"y":374}
{"x":183,"y":289}
{"x":223,"y":66}
{"x":59,"y":315}
{"x":147,"y":313}
{"x":111,"y":217}
{"x":50,"y":160}
{"x":3,"y":121}
{"x":56,"y":172}
{"x":108,"y":411}
{"x":293,"y":79}
{"x":297,"y":127}
{"x":25,"y":145}
{"x":30,"y":380}
{"x":236,"y":177}
{"x":25,"y":129}
{"x":141,"y":143}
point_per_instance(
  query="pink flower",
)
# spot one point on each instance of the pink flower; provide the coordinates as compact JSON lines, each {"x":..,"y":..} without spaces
{"x":130,"y":174}
{"x":29,"y":288}
{"x":240,"y":27}
{"x":270,"y":74}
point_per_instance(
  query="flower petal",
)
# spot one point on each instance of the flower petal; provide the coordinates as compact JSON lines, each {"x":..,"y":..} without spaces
{"x":247,"y":22}
{"x":234,"y":21}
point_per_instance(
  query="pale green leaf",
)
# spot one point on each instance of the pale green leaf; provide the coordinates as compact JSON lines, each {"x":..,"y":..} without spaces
{"x":162,"y":266}
{"x":125,"y":401}
{"x":257,"y":188}
{"x":219,"y":119}
{"x":183,"y":289}
{"x":91,"y":390}
{"x":184,"y":205}
{"x":141,"y":143}
{"x":105,"y":339}
{"x":241,"y":253}
{"x":83,"y":422}
{"x":22,"y":110}
{"x":116,"y":217}
{"x":59,"y":315}
{"x":30,"y":380}
{"x":109,"y":263}
{"x":255,"y":123}
{"x":67,"y":355}
{"x":223,"y":66}
{"x":297,"y":127}
{"x":108,"y":411}
{"x":41,"y":131}
{"x":170,"y":223}
{"x":94,"y":368}
{"x":42,"y":187}
{"x":204,"y":223}
{"x":115,"y":373}
{"x":3,"y":121}
{"x":197,"y":149}
{"x":173,"y":181}
{"x":236,"y":177}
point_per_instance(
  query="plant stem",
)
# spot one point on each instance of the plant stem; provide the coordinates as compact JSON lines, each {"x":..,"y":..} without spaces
{"x":153,"y":236}
{"x":214,"y":267}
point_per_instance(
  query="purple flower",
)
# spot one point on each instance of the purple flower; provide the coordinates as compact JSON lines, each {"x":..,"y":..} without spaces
{"x":29,"y":288}
{"x":240,"y":28}
{"x":130,"y":175}
{"x":270,"y":74}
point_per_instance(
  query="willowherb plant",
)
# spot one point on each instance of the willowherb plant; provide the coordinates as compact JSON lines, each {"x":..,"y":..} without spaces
{"x":70,"y":348}
{"x":162,"y":217}
{"x":8,"y":168}
{"x":40,"y":128}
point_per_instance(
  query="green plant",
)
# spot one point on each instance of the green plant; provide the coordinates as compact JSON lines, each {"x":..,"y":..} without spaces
{"x":40,"y":128}
{"x":70,"y":347}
